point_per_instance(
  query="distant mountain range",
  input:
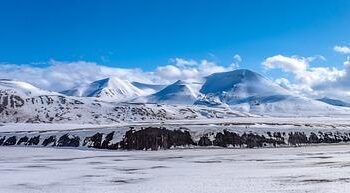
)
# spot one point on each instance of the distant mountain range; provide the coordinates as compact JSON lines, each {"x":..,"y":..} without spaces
{"x":335,"y":102}
{"x":111,"y":89}
{"x":228,"y":94}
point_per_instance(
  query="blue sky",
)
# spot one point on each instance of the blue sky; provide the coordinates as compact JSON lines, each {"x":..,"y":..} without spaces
{"x":291,"y":41}
{"x":147,"y":33}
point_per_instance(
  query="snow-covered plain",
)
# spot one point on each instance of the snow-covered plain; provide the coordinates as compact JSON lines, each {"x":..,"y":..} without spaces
{"x":311,"y":169}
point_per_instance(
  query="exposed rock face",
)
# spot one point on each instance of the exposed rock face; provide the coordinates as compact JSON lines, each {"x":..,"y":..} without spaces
{"x":93,"y":141}
{"x":10,"y":141}
{"x":297,"y":138}
{"x":22,"y":140}
{"x":68,"y":140}
{"x":34,"y":140}
{"x":50,"y":140}
{"x":250,"y":140}
{"x":155,"y":138}
{"x":313,"y":138}
{"x":205,"y":141}
{"x":106,"y":142}
{"x":8,"y":101}
{"x":227,"y":139}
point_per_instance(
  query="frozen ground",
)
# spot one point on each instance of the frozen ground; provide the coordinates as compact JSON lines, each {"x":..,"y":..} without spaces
{"x":317,"y":169}
{"x":258,"y":122}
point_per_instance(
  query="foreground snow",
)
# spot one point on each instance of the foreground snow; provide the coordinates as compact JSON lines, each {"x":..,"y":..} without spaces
{"x":307,"y":169}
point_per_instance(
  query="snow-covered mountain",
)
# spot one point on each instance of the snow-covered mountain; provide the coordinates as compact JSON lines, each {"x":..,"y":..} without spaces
{"x":335,"y":102}
{"x":22,"y":88}
{"x":223,"y":95}
{"x":109,"y":89}
{"x":238,"y":86}
{"x":24,"y":103}
{"x":180,"y":93}
{"x":248,"y":91}
{"x":149,"y":88}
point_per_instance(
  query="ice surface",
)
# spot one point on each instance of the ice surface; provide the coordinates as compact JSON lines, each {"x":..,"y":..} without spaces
{"x":316,"y":169}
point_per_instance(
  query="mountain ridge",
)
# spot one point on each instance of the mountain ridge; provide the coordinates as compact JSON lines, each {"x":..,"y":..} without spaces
{"x":222,"y":95}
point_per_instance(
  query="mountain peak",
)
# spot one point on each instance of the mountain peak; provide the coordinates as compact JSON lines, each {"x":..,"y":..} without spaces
{"x":110,"y":81}
{"x":180,"y":92}
{"x":111,"y":88}
{"x":180,"y":82}
{"x":252,"y":82}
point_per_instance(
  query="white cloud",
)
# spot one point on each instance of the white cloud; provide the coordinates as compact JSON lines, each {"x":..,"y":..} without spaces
{"x":60,"y":75}
{"x":347,"y":62}
{"x":180,"y":62}
{"x":237,"y":58}
{"x":307,"y":80}
{"x":289,"y":64}
{"x":190,"y":70}
{"x":342,"y":49}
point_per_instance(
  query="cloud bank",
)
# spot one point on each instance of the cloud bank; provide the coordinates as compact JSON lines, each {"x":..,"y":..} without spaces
{"x":311,"y":81}
{"x":60,"y":75}
{"x":307,"y":79}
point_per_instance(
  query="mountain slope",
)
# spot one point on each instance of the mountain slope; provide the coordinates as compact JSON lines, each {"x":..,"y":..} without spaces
{"x":17,"y":105}
{"x":110,"y":89}
{"x":22,"y":88}
{"x":180,"y":93}
{"x":148,"y":88}
{"x":248,"y":91}
{"x":335,"y":102}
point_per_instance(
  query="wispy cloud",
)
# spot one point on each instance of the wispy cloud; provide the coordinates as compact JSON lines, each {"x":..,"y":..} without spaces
{"x":342,"y":49}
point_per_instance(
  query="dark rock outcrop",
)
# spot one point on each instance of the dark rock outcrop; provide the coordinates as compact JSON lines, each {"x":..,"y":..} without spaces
{"x":34,"y":140}
{"x":68,"y":140}
{"x":22,"y":140}
{"x":50,"y":140}
{"x":106,"y":142}
{"x":313,"y":138}
{"x":93,"y":141}
{"x":205,"y":141}
{"x":227,"y":139}
{"x":297,"y":138}
{"x":154,"y":138}
{"x":250,"y":140}
{"x":10,"y":141}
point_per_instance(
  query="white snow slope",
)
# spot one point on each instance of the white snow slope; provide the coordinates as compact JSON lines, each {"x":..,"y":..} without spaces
{"x":248,"y":91}
{"x":110,"y":89}
{"x":224,"y":95}
{"x":180,"y":92}
{"x":22,"y":88}
{"x":22,"y":102}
